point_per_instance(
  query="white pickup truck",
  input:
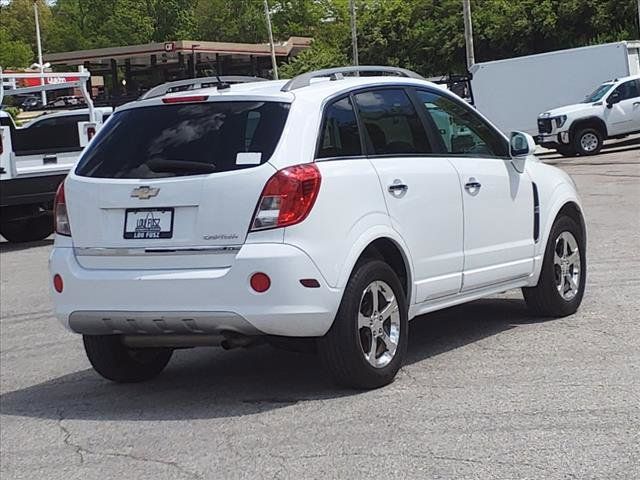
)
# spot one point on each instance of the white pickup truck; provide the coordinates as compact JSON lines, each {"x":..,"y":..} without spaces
{"x":35,"y":158}
{"x":611,"y":111}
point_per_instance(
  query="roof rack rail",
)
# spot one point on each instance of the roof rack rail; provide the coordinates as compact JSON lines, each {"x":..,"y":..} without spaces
{"x":197,"y":83}
{"x":304,"y":80}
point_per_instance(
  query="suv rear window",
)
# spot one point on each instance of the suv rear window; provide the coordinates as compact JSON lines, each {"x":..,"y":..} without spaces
{"x":186,"y":139}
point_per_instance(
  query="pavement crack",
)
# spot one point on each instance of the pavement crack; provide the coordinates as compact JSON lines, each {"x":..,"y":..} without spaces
{"x":82,"y":452}
{"x":67,"y":440}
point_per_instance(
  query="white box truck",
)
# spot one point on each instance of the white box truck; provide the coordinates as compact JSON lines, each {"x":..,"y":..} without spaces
{"x":513,"y":92}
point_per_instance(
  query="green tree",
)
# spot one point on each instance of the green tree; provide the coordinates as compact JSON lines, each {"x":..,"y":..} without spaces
{"x":319,"y":55}
{"x":225,"y":21}
{"x":172,"y":19}
{"x":17,"y":20}
{"x":14,"y":53}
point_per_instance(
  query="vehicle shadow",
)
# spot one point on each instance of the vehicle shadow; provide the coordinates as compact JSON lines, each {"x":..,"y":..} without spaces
{"x":210,"y":383}
{"x":610,"y":147}
{"x":16,"y":247}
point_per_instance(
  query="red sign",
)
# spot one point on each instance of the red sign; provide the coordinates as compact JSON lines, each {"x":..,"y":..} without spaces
{"x":34,"y":82}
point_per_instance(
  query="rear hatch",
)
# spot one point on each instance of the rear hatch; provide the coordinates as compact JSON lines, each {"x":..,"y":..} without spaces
{"x":173,"y":185}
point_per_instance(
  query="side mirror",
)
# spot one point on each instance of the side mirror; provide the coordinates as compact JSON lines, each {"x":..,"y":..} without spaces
{"x":521,"y":144}
{"x":613,"y":99}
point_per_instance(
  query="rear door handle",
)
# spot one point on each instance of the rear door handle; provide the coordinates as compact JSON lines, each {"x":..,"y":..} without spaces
{"x":397,"y":188}
{"x":472,"y":186}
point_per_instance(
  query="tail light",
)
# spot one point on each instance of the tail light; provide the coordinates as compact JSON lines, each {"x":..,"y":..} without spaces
{"x":61,"y":217}
{"x":288,"y":197}
{"x":91,"y":131}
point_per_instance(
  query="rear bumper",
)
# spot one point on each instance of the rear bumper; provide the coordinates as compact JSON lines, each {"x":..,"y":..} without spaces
{"x":194,"y":301}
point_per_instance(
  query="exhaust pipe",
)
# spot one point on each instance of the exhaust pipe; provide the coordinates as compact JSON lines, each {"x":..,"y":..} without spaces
{"x":236,"y":340}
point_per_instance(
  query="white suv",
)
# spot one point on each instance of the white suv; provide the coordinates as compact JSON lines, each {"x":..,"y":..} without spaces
{"x":322,"y":212}
{"x":611,"y":111}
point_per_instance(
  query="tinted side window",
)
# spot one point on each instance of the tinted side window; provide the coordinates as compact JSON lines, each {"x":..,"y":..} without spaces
{"x":340,"y":135}
{"x":628,"y":90}
{"x":462,"y":130}
{"x":391,"y":123}
{"x":57,"y":133}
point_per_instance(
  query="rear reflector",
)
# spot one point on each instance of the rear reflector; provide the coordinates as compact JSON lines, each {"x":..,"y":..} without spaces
{"x":190,"y":99}
{"x":260,"y":282}
{"x":288,"y":197}
{"x":57,"y":283}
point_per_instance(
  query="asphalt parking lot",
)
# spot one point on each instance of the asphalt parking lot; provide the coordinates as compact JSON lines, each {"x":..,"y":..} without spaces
{"x":487,"y":392}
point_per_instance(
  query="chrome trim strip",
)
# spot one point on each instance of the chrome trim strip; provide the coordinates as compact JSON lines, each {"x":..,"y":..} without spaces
{"x":142,"y":251}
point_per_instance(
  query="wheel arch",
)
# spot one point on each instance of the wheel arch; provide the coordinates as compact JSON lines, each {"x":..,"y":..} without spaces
{"x":564,"y":202}
{"x":593,"y":122}
{"x":573,"y":210}
{"x":384,"y":246}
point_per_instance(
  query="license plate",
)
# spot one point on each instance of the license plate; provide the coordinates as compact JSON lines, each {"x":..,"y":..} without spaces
{"x":140,"y":223}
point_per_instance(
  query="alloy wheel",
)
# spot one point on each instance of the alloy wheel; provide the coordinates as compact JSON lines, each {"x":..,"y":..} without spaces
{"x":378,"y":324}
{"x":567,"y":266}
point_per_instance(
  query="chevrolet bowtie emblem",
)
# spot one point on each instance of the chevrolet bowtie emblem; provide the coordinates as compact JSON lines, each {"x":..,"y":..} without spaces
{"x":144,"y":193}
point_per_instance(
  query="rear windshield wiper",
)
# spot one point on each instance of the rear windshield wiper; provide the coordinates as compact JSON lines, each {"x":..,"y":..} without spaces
{"x":160,"y":165}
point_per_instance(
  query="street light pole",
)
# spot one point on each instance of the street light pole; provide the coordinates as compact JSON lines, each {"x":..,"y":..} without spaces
{"x":468,"y":32}
{"x":35,"y":10}
{"x":354,"y":33}
{"x":274,"y":65}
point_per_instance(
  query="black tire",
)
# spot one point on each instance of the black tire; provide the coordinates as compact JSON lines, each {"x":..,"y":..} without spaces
{"x":29,"y":230}
{"x":594,"y":133}
{"x":341,"y":350}
{"x":545,"y":300}
{"x":114,"y":361}
{"x":566,"y":150}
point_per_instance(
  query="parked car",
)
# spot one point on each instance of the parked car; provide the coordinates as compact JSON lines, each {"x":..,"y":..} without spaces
{"x":31,"y":103}
{"x":611,"y":111}
{"x":324,"y":211}
{"x":66,"y":101}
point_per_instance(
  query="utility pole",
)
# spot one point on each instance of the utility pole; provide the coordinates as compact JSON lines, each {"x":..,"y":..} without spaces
{"x":638,"y":18}
{"x":354,"y":33}
{"x":468,"y":32}
{"x":43,"y":93}
{"x":194,"y":73}
{"x":273,"y":48}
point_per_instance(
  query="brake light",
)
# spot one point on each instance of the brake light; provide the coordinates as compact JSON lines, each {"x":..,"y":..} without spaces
{"x":190,"y":99}
{"x":61,"y":217}
{"x":288,"y":197}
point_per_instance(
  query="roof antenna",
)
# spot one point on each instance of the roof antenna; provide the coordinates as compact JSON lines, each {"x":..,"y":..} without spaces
{"x":222,"y":85}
